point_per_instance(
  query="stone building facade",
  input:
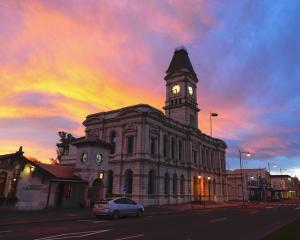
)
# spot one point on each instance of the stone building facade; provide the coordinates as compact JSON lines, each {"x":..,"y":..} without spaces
{"x":161,"y":158}
{"x":256,"y":185}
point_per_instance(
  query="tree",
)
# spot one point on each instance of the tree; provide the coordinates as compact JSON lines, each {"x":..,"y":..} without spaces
{"x":65,"y":140}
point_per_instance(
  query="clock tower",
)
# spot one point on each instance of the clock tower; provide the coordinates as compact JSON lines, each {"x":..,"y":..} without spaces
{"x":181,"y":90}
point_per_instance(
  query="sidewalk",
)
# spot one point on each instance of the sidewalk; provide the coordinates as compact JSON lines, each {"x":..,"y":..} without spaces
{"x":13,"y":217}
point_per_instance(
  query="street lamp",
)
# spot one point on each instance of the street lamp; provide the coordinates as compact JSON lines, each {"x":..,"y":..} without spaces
{"x":208,"y":178}
{"x":212,"y":114}
{"x":242,"y":179}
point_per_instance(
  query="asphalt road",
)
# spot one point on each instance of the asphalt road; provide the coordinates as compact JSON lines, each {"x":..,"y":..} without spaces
{"x":227,"y":223}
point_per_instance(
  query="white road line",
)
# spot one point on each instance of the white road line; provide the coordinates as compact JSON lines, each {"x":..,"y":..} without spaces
{"x":254,"y":212}
{"x":90,"y":221}
{"x":72,"y":235}
{"x":268,"y":207}
{"x":298,"y":208}
{"x":8,"y":231}
{"x":217,"y":220}
{"x":130,"y":237}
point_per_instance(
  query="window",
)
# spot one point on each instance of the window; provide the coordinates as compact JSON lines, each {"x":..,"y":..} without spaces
{"x":153,"y":145}
{"x":130,"y":144}
{"x":131,"y":202}
{"x":173,"y":148}
{"x":182,"y":190}
{"x":165,"y":144}
{"x":128,"y":181}
{"x":214,"y":187}
{"x":110,"y":180}
{"x":167,"y":184}
{"x":180,"y":150}
{"x":113,"y":140}
{"x":195,"y":155}
{"x":203,"y":158}
{"x":192,"y":120}
{"x":68,"y":190}
{"x":175,"y":184}
{"x":151,"y":182}
{"x":3,"y":177}
{"x":121,"y":201}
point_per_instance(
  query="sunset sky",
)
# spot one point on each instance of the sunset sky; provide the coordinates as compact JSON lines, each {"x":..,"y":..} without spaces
{"x":62,"y":60}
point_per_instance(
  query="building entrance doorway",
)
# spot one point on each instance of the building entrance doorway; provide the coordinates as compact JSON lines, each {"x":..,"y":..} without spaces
{"x":97,"y":191}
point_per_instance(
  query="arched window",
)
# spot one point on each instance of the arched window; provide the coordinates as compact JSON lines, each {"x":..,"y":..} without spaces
{"x":180,"y":150}
{"x":128,"y":181}
{"x":165,"y":145}
{"x":167,"y":184}
{"x":173,"y":148}
{"x":214,"y":186}
{"x":175,"y":180}
{"x":3,"y":177}
{"x":203,"y":158}
{"x":151,"y":182}
{"x":110,"y":180}
{"x":182,"y":190}
{"x":113,"y":140}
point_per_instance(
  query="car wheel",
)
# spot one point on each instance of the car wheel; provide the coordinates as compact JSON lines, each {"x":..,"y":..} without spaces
{"x":115,"y":215}
{"x":139,"y":213}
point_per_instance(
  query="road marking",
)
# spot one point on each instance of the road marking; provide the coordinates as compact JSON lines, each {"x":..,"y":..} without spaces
{"x":218,"y":220}
{"x":90,"y":221}
{"x":72,"y":215}
{"x":298,"y":208}
{"x":268,"y":207}
{"x":130,"y":237}
{"x":8,"y":231}
{"x":72,"y":235}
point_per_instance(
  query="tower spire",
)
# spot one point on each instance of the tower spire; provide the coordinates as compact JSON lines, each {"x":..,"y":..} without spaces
{"x":180,"y":63}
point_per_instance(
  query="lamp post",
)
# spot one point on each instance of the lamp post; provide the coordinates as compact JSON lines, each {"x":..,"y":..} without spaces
{"x":242,"y":179}
{"x":212,"y":114}
{"x":208,"y":178}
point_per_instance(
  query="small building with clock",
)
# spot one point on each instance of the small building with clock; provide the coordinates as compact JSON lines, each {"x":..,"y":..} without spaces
{"x":155,"y":157}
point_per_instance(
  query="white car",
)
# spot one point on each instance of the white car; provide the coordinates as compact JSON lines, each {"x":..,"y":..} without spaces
{"x":118,"y":207}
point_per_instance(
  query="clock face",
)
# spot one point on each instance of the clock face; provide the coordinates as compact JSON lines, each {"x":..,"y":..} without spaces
{"x":176,"y":89}
{"x":99,"y":158}
{"x":83,"y":157}
{"x":190,"y":90}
